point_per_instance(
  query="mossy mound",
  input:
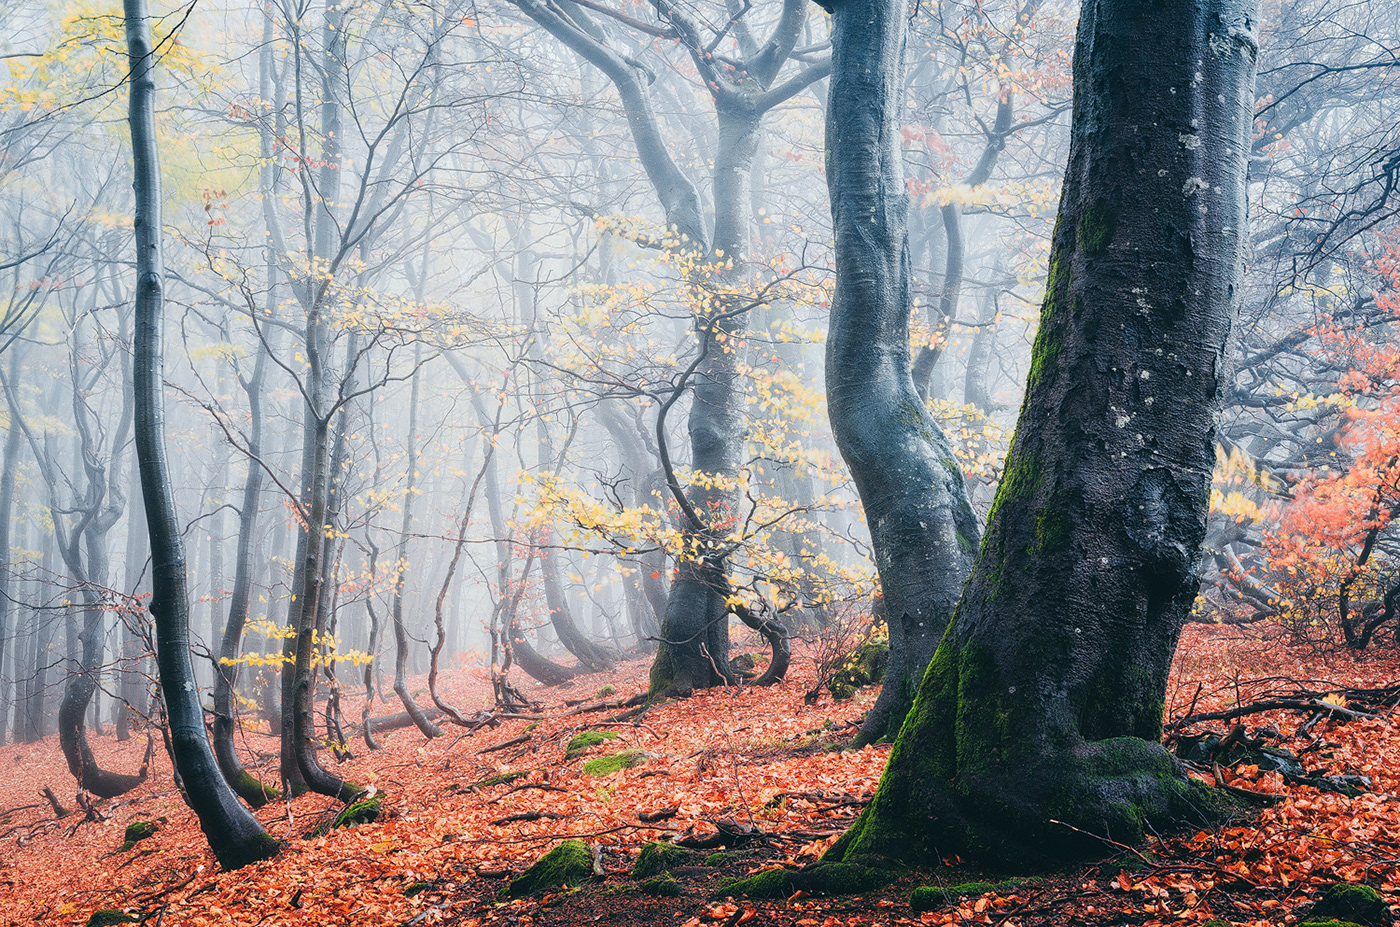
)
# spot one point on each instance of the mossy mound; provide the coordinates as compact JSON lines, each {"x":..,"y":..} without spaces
{"x":821,"y":879}
{"x":1358,"y":904}
{"x":1330,"y":924}
{"x":365,"y":811}
{"x":582,"y":742}
{"x":929,"y":897}
{"x":103,"y":917}
{"x":137,"y":831}
{"x":657,"y":858}
{"x":567,"y":865}
{"x":606,"y":691}
{"x":864,"y":666}
{"x":662,"y":886}
{"x":614,"y":762}
{"x":723,"y":857}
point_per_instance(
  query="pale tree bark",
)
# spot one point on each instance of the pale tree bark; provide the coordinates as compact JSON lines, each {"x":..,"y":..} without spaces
{"x":1043,"y":705}
{"x":233,"y":833}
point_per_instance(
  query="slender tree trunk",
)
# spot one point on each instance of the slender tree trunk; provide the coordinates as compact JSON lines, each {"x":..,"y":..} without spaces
{"x":243,"y":782}
{"x":427,"y":727}
{"x":13,"y":436}
{"x":1044,"y":701}
{"x":233,"y":833}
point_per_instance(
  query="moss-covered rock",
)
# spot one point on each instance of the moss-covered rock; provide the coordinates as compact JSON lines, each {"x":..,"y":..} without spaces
{"x":821,"y":879}
{"x":606,"y":691}
{"x":417,"y":888}
{"x":1330,"y":923}
{"x":657,"y":858}
{"x":104,"y":917}
{"x":570,"y":864}
{"x":662,"y":886}
{"x":583,"y":741}
{"x":137,"y":831}
{"x":928,"y":897}
{"x":864,"y":666}
{"x":1358,"y":904}
{"x":613,"y":762}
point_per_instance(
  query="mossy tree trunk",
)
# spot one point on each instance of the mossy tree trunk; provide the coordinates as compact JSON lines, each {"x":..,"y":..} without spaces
{"x":921,"y":523}
{"x":1044,"y":701}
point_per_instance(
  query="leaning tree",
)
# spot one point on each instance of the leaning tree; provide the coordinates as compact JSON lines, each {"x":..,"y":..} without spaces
{"x":233,"y":833}
{"x":1043,"y":704}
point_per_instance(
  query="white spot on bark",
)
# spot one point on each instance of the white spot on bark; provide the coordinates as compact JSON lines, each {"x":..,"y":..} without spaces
{"x":1146,"y":374}
{"x":1193,"y":186}
{"x":1189,"y":142}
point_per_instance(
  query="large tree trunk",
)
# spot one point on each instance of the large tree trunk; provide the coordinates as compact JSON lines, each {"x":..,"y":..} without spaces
{"x":233,"y":833}
{"x":1044,"y":701}
{"x":693,"y":652}
{"x":921,"y":524}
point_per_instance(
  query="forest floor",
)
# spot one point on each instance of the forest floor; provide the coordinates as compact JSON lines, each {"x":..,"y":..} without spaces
{"x":760,"y":762}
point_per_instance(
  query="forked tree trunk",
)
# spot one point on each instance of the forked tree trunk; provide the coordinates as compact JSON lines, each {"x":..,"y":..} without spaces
{"x":1044,"y":701}
{"x":233,"y":833}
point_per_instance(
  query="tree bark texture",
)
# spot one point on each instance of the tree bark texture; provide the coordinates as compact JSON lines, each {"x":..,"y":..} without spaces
{"x":922,"y":526}
{"x":233,"y":833}
{"x":1044,"y":701}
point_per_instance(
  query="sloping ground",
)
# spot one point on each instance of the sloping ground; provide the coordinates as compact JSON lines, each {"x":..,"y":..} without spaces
{"x":744,"y":770}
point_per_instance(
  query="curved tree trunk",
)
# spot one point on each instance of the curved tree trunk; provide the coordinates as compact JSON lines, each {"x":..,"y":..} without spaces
{"x":922,"y":526}
{"x":1044,"y":701}
{"x":427,"y":727}
{"x":233,"y":833}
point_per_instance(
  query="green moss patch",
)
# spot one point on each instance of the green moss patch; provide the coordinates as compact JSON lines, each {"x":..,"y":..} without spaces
{"x":657,"y":858}
{"x":821,"y":879}
{"x":570,"y":864}
{"x":613,"y":762}
{"x":1330,"y":924}
{"x":582,"y":742}
{"x":929,"y":897}
{"x":137,"y":831}
{"x":500,"y":779}
{"x":606,"y":691}
{"x":361,"y":812}
{"x":1359,"y":904}
{"x":662,"y":886}
{"x":103,"y":917}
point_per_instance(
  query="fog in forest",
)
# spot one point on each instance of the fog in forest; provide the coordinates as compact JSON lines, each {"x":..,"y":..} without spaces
{"x":495,"y":342}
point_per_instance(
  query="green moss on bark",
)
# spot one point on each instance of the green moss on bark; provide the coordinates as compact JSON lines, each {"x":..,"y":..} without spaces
{"x":966,"y":777}
{"x":252,"y":790}
{"x":570,"y":864}
{"x":822,"y":879}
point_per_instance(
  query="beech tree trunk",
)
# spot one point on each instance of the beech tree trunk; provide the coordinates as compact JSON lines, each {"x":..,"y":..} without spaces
{"x":921,"y":524}
{"x":1044,"y":701}
{"x":233,"y":833}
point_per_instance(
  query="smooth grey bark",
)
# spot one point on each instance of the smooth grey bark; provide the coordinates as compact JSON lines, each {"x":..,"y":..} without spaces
{"x":420,"y":719}
{"x":226,"y":668}
{"x":233,"y":833}
{"x":922,"y":526}
{"x":13,"y":438}
{"x":1044,"y":701}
